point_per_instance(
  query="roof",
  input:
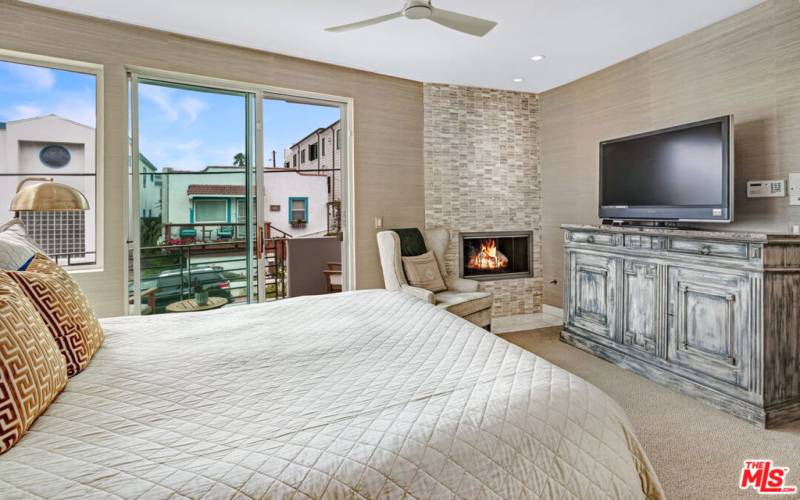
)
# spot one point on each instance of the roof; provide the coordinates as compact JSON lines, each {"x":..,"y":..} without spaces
{"x":215,"y":190}
{"x":51,"y":115}
{"x":318,"y":131}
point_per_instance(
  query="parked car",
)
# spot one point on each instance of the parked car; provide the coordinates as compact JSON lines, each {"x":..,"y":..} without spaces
{"x":173,"y":286}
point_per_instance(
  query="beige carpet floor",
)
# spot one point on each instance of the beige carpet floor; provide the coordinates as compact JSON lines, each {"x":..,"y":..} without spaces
{"x":697,"y":451}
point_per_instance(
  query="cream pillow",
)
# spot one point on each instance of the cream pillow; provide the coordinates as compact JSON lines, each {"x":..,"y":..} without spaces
{"x":422,"y":271}
{"x":16,"y":247}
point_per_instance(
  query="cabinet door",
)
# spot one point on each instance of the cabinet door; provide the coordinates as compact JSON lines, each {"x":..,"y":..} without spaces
{"x":708,"y":325}
{"x":592,"y":300}
{"x":643,"y":306}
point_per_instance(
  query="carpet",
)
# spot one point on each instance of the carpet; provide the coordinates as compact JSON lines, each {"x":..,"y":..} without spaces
{"x":697,"y":451}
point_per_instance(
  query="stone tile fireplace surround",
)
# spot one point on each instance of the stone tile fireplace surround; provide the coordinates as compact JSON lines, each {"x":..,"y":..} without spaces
{"x":482,"y":174}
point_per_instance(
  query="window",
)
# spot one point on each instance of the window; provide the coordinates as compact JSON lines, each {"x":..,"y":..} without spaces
{"x":323,"y":146}
{"x":210,"y":211}
{"x":298,"y":210}
{"x":294,"y":160}
{"x":48,"y":128}
{"x":302,"y":156}
{"x":55,"y":155}
{"x":338,"y":138}
{"x":313,"y":151}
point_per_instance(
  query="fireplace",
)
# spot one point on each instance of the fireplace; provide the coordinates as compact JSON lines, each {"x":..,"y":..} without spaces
{"x":496,"y":255}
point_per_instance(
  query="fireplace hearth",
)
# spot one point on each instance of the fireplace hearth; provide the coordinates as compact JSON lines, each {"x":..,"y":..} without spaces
{"x":496,"y":255}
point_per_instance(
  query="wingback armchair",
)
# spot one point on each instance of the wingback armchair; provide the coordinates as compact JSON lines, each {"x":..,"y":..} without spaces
{"x":462,"y":297}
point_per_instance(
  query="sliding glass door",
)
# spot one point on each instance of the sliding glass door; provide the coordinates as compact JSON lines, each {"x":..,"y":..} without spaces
{"x":195,"y":197}
{"x":303,"y":149}
{"x":237,"y":196}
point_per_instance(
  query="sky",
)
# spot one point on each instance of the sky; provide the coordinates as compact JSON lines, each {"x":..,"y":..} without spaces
{"x":31,"y":91}
{"x":178,"y":128}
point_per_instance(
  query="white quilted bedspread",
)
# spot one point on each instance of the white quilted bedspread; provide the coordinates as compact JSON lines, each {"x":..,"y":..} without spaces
{"x":358,"y":395}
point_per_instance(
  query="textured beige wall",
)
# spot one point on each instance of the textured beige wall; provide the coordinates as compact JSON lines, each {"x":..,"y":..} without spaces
{"x":482,"y":174}
{"x":388,"y":120}
{"x":747,"y":65}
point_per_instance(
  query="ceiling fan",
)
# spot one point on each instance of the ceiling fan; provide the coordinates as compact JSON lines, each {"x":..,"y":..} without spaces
{"x":423,"y":9}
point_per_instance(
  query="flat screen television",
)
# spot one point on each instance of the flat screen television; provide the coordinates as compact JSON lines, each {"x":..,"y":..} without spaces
{"x":682,"y":173}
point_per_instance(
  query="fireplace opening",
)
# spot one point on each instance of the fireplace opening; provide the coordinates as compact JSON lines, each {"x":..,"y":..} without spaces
{"x":496,"y":255}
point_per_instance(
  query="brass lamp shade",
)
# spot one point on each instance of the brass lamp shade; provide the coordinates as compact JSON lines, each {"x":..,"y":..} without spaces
{"x":47,"y":196}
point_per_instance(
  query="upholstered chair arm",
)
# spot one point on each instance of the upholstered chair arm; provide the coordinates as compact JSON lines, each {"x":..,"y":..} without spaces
{"x":461,"y":285}
{"x":419,"y":293}
{"x":391,"y":265}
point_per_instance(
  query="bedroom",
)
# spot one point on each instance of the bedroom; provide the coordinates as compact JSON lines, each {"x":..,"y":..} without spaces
{"x":490,"y":139}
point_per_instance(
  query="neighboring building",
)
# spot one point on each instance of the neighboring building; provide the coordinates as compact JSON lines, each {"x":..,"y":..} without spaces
{"x":321,"y":152}
{"x":295,"y":202}
{"x":290,"y":194}
{"x":51,"y":146}
{"x":149,"y":189}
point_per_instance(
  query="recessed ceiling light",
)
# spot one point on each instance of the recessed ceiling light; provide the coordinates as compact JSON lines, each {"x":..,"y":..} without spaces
{"x":517,"y":80}
{"x":537,"y":58}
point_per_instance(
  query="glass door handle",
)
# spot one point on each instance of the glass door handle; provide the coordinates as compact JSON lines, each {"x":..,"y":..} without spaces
{"x":259,"y":242}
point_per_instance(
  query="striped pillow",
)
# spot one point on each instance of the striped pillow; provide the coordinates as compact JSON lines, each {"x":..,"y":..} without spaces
{"x":32,"y":371}
{"x":64,"y":309}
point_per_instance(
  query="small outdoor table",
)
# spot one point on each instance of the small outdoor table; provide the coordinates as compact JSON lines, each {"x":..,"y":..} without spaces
{"x":191,"y":305}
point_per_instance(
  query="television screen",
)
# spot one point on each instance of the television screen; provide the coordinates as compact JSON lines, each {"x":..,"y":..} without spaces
{"x":680,"y":173}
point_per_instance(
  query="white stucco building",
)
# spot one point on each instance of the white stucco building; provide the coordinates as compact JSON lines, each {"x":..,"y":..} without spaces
{"x":51,"y":146}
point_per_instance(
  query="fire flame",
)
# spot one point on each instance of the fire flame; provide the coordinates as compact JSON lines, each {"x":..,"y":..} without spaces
{"x":488,"y":257}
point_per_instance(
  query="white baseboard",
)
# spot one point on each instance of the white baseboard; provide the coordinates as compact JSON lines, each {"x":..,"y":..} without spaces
{"x":552,"y":310}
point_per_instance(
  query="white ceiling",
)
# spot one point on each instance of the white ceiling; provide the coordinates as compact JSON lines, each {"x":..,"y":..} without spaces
{"x":578,"y":37}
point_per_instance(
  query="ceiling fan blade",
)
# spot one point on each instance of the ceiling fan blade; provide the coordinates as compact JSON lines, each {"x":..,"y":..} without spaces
{"x":461,"y":22}
{"x":364,"y":23}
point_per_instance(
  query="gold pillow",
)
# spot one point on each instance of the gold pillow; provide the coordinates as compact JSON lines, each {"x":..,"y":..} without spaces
{"x":32,"y":371}
{"x":422,"y":271}
{"x":64,"y":309}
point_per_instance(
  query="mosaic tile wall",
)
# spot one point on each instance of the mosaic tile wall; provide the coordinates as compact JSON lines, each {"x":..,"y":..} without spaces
{"x":483,"y":173}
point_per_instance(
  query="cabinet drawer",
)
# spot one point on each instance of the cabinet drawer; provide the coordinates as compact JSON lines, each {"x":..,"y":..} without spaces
{"x":603,"y":239}
{"x":710,"y":248}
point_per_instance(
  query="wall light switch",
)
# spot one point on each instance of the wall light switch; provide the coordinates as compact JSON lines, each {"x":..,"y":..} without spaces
{"x":794,"y":189}
{"x":766,"y":189}
{"x":378,"y":223}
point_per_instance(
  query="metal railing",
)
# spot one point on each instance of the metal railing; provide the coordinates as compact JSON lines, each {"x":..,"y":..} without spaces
{"x":74,"y":259}
{"x":183,"y":262}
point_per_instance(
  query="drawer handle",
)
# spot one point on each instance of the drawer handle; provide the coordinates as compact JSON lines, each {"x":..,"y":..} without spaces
{"x":590,"y":239}
{"x":705,"y":250}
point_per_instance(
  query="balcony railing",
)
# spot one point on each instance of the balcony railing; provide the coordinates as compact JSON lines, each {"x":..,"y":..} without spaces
{"x":232,"y":233}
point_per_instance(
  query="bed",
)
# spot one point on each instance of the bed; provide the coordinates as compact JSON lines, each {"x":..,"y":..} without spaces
{"x":368,"y":394}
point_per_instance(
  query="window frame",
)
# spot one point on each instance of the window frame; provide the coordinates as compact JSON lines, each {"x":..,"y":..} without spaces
{"x":304,"y":199}
{"x":96,"y":70}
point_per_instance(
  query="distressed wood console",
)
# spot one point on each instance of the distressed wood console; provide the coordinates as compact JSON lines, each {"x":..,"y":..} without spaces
{"x":715,"y":315}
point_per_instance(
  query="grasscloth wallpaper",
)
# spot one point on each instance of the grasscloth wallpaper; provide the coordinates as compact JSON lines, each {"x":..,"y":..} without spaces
{"x":388,"y":121}
{"x":482,"y":173}
{"x":747,"y":65}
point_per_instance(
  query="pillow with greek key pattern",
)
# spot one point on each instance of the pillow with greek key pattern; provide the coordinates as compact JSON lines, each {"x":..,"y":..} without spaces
{"x":16,"y":247}
{"x":32,"y":370}
{"x":64,"y":309}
